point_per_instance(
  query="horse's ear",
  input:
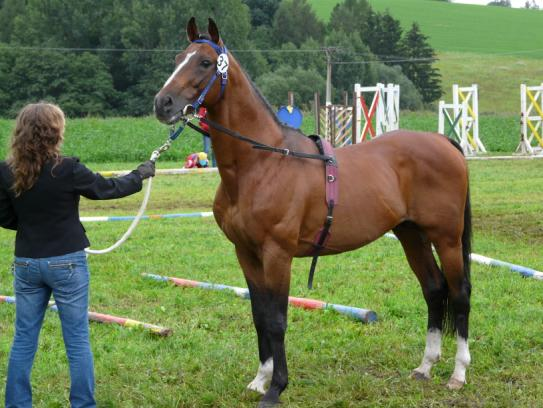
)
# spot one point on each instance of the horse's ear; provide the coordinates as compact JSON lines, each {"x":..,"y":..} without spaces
{"x":192,"y":30}
{"x":213,"y":31}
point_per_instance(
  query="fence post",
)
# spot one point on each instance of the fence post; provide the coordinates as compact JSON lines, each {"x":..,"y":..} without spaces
{"x":354,"y":120}
{"x":317,"y":112}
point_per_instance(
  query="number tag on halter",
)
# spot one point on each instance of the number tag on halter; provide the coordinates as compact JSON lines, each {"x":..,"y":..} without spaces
{"x":222,"y":64}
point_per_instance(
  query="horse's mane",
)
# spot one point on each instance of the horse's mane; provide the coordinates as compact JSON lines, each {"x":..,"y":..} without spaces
{"x":268,"y":106}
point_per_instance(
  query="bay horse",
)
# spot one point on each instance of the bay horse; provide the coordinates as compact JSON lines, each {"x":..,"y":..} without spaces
{"x":271,"y":206}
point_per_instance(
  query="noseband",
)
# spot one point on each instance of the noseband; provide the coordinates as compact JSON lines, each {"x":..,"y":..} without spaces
{"x":222,"y":72}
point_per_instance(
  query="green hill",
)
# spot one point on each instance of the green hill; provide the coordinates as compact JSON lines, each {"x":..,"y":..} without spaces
{"x":463,"y":27}
{"x":495,"y":47}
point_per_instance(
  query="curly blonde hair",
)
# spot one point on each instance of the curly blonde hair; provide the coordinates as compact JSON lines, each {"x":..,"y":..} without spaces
{"x":37,"y":139}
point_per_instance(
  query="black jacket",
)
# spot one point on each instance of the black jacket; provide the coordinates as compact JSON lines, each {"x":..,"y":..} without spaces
{"x":46,"y":217}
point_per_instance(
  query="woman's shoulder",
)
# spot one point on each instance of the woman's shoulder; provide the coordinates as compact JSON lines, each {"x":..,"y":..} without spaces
{"x":64,"y":166}
{"x":70,"y":159}
{"x":68,"y":162}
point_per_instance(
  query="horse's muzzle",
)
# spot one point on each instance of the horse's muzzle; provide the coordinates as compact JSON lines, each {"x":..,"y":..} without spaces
{"x":164,"y":107}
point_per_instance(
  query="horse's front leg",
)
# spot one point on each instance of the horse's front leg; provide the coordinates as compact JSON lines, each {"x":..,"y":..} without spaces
{"x":269,"y":286}
{"x":252,"y":267}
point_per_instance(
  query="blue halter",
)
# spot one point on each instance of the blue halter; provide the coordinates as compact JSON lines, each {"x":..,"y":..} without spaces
{"x":222,"y":71}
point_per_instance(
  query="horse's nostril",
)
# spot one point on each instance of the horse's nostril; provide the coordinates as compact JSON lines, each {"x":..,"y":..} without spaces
{"x":167,"y":102}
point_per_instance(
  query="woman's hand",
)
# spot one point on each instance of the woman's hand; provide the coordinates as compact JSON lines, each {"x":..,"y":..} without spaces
{"x":146,"y":169}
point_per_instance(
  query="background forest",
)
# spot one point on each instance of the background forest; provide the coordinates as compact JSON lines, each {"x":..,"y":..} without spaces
{"x":109,"y":57}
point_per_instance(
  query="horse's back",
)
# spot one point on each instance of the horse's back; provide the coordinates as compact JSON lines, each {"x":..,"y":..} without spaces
{"x":421,"y":144}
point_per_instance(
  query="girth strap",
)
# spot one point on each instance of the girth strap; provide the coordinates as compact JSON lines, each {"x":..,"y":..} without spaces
{"x":331,"y":173}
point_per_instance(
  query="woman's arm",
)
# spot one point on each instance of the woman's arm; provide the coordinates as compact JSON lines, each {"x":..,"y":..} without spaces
{"x":8,"y":219}
{"x":96,"y":187}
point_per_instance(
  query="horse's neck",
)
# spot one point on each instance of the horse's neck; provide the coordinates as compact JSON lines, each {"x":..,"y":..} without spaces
{"x":241,"y":110}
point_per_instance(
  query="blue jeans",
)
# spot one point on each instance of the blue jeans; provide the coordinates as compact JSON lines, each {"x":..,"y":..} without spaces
{"x":67,"y":277}
{"x":208,"y":150}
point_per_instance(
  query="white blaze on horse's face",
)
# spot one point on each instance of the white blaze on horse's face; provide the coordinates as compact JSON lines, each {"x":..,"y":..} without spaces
{"x":179,"y":68}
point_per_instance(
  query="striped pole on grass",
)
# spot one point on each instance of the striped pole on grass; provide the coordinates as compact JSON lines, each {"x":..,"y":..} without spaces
{"x":485,"y":260}
{"x":148,"y":217}
{"x":105,"y":318}
{"x":203,"y":170}
{"x":523,"y":270}
{"x":363,"y":315}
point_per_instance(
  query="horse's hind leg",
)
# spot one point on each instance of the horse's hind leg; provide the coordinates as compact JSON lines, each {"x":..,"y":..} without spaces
{"x":456,"y":269}
{"x":418,"y":251}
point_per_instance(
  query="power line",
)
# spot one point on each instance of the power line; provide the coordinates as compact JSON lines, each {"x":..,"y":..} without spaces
{"x":415,"y":60}
{"x":382,"y":58}
{"x":279,"y":51}
{"x":146,"y":50}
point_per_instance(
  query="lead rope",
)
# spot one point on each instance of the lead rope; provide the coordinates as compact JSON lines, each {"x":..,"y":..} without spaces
{"x":154,"y":157}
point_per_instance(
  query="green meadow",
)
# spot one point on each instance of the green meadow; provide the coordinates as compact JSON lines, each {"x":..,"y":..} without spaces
{"x":133,"y":139}
{"x":495,"y":47}
{"x":333,"y":360}
{"x":458,"y":27}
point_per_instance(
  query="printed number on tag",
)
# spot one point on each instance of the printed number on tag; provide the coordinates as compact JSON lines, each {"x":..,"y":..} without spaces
{"x":222,"y":63}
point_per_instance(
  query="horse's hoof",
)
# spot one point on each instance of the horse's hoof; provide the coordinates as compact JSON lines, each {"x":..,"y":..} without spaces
{"x":455,"y":384}
{"x":417,"y":375}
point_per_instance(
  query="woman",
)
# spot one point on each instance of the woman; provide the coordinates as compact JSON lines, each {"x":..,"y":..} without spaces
{"x":39,"y":198}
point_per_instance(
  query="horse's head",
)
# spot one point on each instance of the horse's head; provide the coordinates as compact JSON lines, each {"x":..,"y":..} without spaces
{"x":197,"y":67}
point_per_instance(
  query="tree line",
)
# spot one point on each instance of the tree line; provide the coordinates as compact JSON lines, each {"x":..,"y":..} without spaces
{"x":110,"y":57}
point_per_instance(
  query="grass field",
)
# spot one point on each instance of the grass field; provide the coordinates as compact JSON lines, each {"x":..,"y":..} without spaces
{"x":133,"y":139}
{"x":495,"y":47}
{"x":462,"y":27}
{"x":334,"y":361}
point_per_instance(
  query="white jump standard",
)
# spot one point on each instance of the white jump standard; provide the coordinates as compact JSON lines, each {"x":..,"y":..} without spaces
{"x":463,"y":119}
{"x":384,"y":108}
{"x":531,"y":120}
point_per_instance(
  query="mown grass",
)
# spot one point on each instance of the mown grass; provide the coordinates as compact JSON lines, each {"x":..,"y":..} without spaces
{"x":333,"y":361}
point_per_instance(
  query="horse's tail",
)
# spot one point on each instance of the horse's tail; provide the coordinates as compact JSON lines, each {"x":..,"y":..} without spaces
{"x":449,"y":321}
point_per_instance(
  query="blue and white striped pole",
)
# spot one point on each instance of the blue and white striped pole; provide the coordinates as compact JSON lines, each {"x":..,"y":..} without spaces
{"x":485,"y":260}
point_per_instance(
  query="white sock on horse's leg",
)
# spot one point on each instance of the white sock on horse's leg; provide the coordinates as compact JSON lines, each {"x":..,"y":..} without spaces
{"x":463,"y":358}
{"x":263,"y":377}
{"x":432,"y":354}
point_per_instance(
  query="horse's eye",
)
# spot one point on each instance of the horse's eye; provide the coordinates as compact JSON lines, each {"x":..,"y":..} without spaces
{"x":206,"y":63}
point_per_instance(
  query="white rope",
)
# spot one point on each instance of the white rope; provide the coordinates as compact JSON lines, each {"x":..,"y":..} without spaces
{"x":130,"y":229}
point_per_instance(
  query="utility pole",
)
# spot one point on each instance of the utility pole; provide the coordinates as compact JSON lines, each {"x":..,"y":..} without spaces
{"x":328,"y":51}
{"x":327,"y":129}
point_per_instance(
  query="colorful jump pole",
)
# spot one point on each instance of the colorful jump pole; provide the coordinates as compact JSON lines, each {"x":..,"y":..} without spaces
{"x":149,"y":217}
{"x":104,"y":318}
{"x":363,"y":315}
{"x":204,"y":170}
{"x":481,"y":259}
